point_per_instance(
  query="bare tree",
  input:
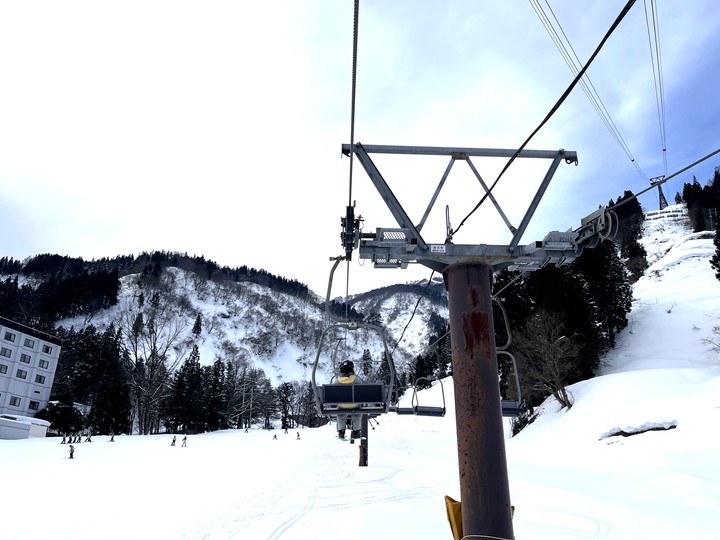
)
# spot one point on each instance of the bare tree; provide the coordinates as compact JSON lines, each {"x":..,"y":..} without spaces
{"x":155,"y":338}
{"x":547,"y":358}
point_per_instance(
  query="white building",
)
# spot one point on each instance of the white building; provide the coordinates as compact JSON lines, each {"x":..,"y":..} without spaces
{"x":28,"y":360}
{"x":22,"y":427}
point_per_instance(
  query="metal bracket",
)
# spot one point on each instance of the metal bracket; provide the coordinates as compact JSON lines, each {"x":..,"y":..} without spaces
{"x":398,"y":247}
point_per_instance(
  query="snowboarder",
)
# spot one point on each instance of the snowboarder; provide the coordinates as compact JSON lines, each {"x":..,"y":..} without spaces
{"x":112,"y":437}
{"x":275,"y":437}
{"x":173,"y":441}
{"x":63,"y":441}
{"x":184,"y":441}
{"x":298,"y":436}
{"x":72,"y":451}
{"x":87,"y":439}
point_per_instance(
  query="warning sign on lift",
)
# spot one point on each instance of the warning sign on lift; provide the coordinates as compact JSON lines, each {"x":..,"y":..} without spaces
{"x":437,"y":248}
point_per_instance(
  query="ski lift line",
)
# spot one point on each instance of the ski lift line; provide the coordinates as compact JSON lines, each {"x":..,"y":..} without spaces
{"x":350,"y":212}
{"x":555,"y":107}
{"x":656,"y":59}
{"x":356,"y":13}
{"x":661,"y":182}
{"x":587,"y":85}
{"x":413,"y":312}
{"x":513,"y":280}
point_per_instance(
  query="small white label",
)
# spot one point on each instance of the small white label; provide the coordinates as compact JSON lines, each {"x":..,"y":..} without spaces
{"x":437,"y":248}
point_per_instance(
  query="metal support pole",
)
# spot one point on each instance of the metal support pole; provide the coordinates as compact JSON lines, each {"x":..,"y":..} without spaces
{"x":484,"y":488}
{"x":364,"y":441}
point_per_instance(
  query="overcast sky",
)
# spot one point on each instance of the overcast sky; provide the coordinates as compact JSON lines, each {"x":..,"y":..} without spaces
{"x":215,"y":128}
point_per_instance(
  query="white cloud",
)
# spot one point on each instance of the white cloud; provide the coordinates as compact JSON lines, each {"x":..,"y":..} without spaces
{"x":216,"y":129}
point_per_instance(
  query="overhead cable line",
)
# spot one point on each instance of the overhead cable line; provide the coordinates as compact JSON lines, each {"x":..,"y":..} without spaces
{"x":585,"y":82}
{"x":350,"y":214}
{"x":663,"y":180}
{"x":656,"y":60}
{"x":555,"y":107}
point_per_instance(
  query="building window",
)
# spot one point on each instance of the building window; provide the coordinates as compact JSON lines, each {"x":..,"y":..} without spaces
{"x":15,"y":401}
{"x":47,"y":349}
{"x":21,"y":374}
{"x":40,"y":379}
{"x":4,"y":351}
{"x":3,"y":368}
{"x":25,"y":358}
{"x":44,"y":364}
{"x":34,"y":405}
{"x":10,"y":336}
{"x":30,"y":343}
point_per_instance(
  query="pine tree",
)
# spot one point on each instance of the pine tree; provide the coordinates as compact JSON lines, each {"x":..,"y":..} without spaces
{"x":307,"y":409}
{"x":367,"y":362}
{"x":197,"y":327}
{"x":285,"y":397}
{"x":564,"y":291}
{"x":110,"y":411}
{"x":608,"y":287}
{"x":715,"y":260}
{"x":215,"y":405}
{"x":630,"y":219}
{"x":184,"y":409}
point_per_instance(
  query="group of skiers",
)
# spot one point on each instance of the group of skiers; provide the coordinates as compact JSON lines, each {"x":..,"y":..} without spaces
{"x":184,"y":441}
{"x":75,"y":438}
{"x":286,"y":432}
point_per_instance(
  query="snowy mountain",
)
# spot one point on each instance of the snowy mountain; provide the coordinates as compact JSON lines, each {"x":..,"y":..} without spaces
{"x":634,"y":458}
{"x":274,"y":331}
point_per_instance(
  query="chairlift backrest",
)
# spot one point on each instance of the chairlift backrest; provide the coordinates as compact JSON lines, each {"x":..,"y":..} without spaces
{"x":348,"y":391}
{"x":514,"y":407}
{"x":426,"y":410}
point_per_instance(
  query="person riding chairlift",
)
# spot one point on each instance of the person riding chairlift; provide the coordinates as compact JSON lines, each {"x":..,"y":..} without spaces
{"x":347,"y":372}
{"x":346,"y":375}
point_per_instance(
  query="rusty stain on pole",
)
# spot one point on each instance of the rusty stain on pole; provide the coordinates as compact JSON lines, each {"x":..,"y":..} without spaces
{"x":484,"y":487}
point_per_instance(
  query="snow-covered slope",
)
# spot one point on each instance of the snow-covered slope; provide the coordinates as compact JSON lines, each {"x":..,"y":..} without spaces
{"x":572,"y":475}
{"x":274,"y":331}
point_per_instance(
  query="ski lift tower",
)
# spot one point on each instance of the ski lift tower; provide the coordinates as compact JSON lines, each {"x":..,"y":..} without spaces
{"x":658,"y":181}
{"x":467,"y":271}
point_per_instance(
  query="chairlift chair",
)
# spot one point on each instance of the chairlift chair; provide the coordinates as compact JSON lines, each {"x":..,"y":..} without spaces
{"x":351,"y":393}
{"x":423,"y":410}
{"x":514,"y":408}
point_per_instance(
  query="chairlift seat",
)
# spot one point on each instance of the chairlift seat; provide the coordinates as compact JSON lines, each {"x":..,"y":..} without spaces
{"x":424,"y":410}
{"x":514,"y":409}
{"x":405,"y":410}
